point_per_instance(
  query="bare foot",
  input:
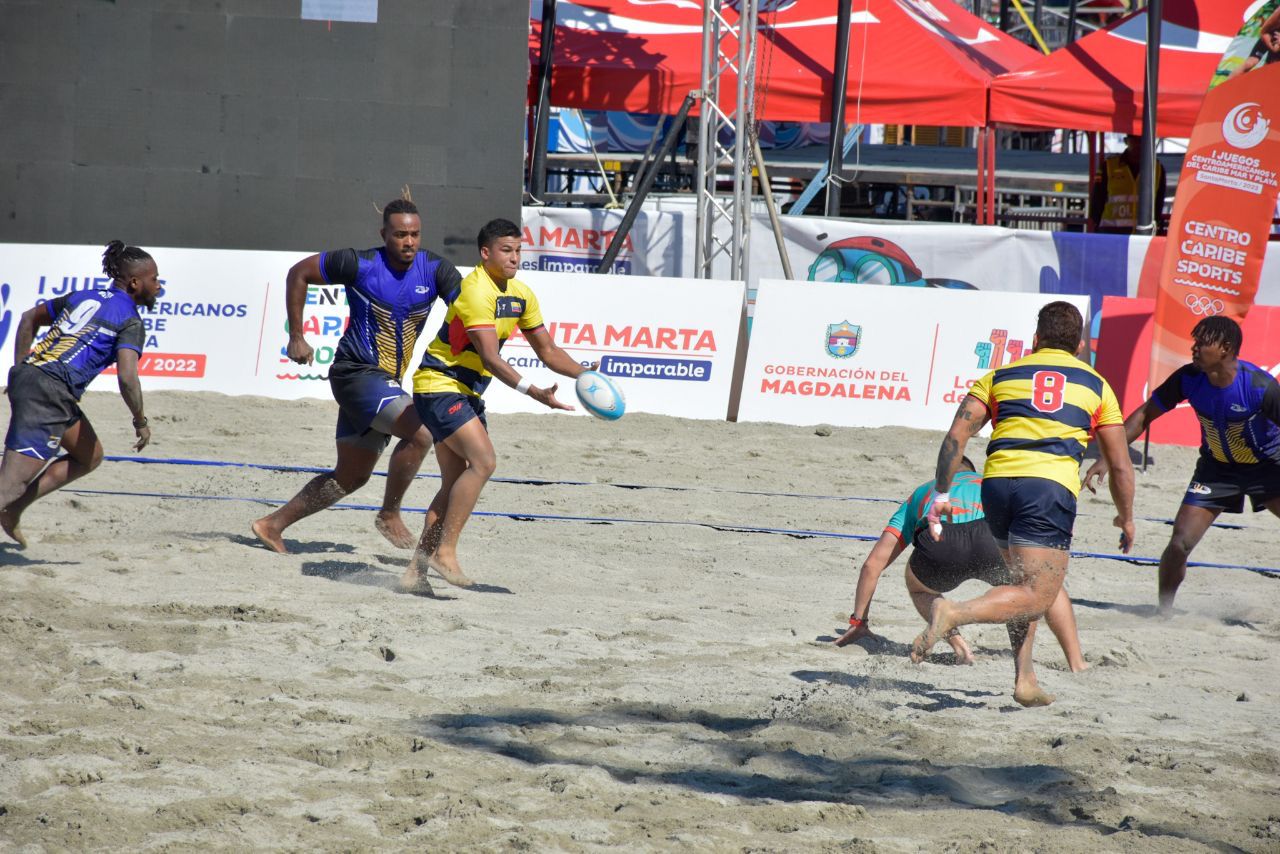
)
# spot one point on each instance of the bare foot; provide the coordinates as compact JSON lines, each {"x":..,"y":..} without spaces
{"x":414,"y":581}
{"x":268,"y":537}
{"x":1078,"y":666}
{"x":960,"y":647}
{"x":855,"y":633}
{"x":1032,"y":696}
{"x":449,"y":571}
{"x":391,"y":526}
{"x":940,"y":622}
{"x":10,"y":525}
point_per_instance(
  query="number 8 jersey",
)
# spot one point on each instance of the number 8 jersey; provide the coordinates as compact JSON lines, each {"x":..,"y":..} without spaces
{"x":1044,"y":409}
{"x":88,"y":328}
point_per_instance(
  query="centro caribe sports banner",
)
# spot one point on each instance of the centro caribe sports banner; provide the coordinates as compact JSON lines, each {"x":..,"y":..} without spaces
{"x":1226,"y":194}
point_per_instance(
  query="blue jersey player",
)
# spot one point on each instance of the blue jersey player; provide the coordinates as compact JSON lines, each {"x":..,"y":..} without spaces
{"x":390,"y":290}
{"x":89,"y":331}
{"x":1238,"y":406}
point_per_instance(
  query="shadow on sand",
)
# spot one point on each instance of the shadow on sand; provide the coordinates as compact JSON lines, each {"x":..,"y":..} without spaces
{"x":743,"y":757}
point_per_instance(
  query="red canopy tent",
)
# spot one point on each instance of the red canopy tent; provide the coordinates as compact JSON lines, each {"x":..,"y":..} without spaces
{"x":910,"y":61}
{"x":1097,"y":83}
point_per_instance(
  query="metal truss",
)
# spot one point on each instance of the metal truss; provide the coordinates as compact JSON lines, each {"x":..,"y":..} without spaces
{"x":725,"y":139}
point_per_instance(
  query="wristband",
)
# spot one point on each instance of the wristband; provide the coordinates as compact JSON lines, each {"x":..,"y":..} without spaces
{"x":933,"y":516}
{"x":139,"y":423}
{"x":524,"y":385}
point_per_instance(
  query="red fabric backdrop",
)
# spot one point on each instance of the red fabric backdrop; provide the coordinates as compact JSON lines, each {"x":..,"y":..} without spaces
{"x":1098,"y":83}
{"x":910,"y":61}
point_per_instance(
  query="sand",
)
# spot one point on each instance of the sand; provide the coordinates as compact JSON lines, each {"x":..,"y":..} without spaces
{"x":168,"y":683}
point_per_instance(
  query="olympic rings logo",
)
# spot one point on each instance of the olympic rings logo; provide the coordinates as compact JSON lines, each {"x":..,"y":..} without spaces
{"x":1201,"y":304}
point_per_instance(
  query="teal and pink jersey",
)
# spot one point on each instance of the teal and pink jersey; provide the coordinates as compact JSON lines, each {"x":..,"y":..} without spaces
{"x":966,"y":498}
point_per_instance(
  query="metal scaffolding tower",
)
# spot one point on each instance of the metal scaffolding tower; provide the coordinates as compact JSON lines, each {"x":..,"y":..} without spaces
{"x":724,"y":222}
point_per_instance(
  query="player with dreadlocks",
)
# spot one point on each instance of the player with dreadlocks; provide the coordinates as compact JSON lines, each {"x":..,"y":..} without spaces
{"x":1238,"y":406}
{"x":89,"y":330}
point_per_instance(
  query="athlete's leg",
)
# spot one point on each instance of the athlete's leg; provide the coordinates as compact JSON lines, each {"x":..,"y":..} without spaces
{"x":1038,"y":572}
{"x":452,"y":466}
{"x":402,"y":468}
{"x":1026,"y":688}
{"x":17,"y":471}
{"x":1273,"y":504}
{"x":470,"y":442}
{"x":923,"y":598}
{"x":355,"y":464}
{"x":1061,"y":619}
{"x":84,"y":454}
{"x":1189,"y":527}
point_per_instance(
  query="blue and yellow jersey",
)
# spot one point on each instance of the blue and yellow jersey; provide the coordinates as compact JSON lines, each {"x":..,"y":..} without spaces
{"x":388,"y":308}
{"x":1239,"y":424}
{"x":451,"y":363}
{"x":966,"y":498}
{"x":1044,"y":409}
{"x":89,"y":327}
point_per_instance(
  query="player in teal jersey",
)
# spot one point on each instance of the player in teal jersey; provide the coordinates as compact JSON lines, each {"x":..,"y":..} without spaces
{"x":966,"y":552}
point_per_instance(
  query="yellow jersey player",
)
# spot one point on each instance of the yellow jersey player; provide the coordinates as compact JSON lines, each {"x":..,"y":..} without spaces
{"x":1044,"y":408}
{"x":456,"y":369}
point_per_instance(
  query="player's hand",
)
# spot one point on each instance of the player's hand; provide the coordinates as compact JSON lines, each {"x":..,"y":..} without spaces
{"x":144,"y":437}
{"x":854,"y":633}
{"x":547,"y":397}
{"x":1126,"y":533}
{"x":1097,"y":471}
{"x":300,"y":351}
{"x":939,"y":509}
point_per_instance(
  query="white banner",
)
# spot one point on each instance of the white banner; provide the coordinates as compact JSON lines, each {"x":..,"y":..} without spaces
{"x":220,"y":325}
{"x":204,"y":332}
{"x":670,"y":343}
{"x":986,"y":258}
{"x":574,"y":240}
{"x":823,"y":353}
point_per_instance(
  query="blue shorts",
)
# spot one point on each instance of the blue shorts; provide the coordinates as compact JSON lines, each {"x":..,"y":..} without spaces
{"x":369,"y":402}
{"x":1029,"y":511}
{"x":41,"y":408}
{"x":444,"y":412}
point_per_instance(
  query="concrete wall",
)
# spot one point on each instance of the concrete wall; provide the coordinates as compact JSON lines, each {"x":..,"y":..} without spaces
{"x":235,"y":124}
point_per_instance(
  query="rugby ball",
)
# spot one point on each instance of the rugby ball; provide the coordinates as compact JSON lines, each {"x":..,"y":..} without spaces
{"x":600,"y":395}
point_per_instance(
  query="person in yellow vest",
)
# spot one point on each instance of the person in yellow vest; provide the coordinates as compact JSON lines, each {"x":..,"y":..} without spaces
{"x":1113,"y":201}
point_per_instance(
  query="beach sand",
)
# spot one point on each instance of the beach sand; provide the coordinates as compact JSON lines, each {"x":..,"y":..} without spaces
{"x":662,"y":684}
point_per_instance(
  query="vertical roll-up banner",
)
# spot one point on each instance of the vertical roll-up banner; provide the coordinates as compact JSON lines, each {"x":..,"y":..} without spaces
{"x":1226,"y":194}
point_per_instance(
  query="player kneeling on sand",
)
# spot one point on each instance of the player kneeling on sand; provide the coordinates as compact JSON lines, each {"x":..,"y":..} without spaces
{"x":447,"y":388}
{"x":966,"y":551}
{"x":89,"y":330}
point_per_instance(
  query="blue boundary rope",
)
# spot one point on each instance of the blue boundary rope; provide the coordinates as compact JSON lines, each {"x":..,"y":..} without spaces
{"x":182,"y":461}
{"x":527,"y":481}
{"x":799,"y":533}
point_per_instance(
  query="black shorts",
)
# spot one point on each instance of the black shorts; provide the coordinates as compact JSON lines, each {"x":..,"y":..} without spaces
{"x":444,"y":412}
{"x":369,"y":402}
{"x":1223,"y":486}
{"x":41,"y":408}
{"x":966,"y":552}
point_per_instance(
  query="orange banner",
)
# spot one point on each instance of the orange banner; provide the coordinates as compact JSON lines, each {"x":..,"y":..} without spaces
{"x":1222,"y":211}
